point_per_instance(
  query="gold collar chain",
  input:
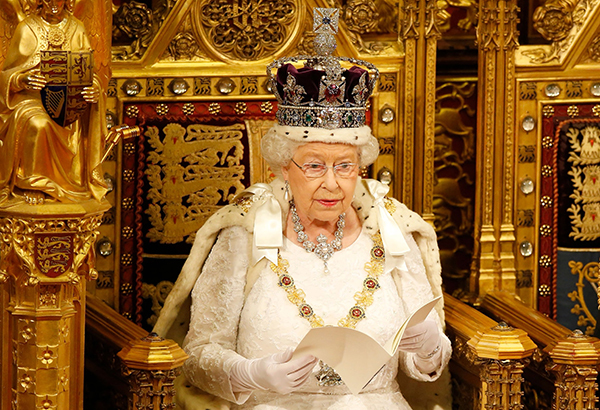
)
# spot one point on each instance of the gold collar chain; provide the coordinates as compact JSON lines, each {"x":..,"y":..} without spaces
{"x":363,"y":299}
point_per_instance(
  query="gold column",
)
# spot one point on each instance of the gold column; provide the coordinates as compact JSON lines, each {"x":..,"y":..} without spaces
{"x":47,"y":254}
{"x":575,"y":361}
{"x":420,"y":34}
{"x":501,"y":353}
{"x":497,"y":37}
{"x":152,"y":364}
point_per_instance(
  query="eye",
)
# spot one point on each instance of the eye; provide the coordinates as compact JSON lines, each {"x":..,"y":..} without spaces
{"x":313,"y":167}
{"x":344,"y":166}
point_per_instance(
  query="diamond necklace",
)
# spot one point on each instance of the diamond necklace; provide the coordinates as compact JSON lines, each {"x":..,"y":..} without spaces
{"x":322,"y":249}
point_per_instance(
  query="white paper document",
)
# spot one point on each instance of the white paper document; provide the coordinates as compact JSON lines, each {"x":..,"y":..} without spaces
{"x":355,"y":356}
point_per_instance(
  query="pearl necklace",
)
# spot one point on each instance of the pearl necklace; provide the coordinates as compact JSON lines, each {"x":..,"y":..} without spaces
{"x":323,"y":249}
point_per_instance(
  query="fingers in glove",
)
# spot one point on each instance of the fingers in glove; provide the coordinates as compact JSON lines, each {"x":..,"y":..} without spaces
{"x":300,"y":365}
{"x":302,"y":380}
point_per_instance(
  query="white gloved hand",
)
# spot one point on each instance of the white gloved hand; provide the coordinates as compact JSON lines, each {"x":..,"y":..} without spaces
{"x":276,"y":373}
{"x":422,"y":339}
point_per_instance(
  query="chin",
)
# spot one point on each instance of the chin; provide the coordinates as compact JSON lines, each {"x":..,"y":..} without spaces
{"x":330,"y":214}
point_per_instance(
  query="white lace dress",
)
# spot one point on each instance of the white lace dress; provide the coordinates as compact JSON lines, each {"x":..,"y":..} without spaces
{"x":225,"y":325}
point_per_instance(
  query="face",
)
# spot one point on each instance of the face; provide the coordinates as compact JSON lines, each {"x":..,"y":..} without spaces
{"x":53,"y":10}
{"x":326,"y":197}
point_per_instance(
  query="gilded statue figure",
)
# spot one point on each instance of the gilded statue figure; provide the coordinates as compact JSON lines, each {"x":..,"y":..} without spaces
{"x":40,"y":159}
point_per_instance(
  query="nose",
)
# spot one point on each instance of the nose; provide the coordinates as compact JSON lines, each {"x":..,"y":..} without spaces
{"x":329,"y":180}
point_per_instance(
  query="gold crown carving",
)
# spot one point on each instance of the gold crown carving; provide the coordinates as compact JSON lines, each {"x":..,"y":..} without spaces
{"x":322,"y":93}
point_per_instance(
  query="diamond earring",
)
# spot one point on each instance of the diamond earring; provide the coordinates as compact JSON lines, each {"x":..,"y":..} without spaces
{"x":287,"y":194}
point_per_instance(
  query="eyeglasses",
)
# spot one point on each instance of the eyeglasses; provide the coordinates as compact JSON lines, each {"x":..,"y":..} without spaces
{"x":314,"y":170}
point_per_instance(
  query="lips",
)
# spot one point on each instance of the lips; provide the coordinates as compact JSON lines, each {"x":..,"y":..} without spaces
{"x":328,"y":202}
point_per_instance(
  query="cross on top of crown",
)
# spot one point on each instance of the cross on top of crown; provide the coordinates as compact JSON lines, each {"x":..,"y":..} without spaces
{"x":325,"y":25}
{"x":326,"y":21}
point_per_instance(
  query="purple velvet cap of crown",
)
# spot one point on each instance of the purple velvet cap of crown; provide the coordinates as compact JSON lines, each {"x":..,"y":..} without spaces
{"x":310,"y":79}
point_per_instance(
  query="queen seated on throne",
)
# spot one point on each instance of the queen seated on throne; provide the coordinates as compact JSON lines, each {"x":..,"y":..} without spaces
{"x":319,"y":246}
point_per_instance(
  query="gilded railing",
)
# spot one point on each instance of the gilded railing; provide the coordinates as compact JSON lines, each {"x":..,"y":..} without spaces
{"x":148,"y":364}
{"x":569,"y":360}
{"x":488,"y":359}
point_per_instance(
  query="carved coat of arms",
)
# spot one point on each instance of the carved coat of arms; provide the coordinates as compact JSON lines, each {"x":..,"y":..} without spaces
{"x":67,"y":73}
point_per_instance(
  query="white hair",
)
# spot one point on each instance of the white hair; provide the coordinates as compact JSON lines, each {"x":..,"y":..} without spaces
{"x":278,"y":150}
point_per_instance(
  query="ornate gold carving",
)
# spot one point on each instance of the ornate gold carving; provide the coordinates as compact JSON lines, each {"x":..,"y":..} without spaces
{"x":574,"y":89}
{"x":525,"y":217}
{"x":202,"y":86}
{"x":590,"y":274}
{"x":136,"y":24}
{"x":361,"y":16}
{"x":156,"y":86}
{"x":554,"y":19}
{"x":158,"y":294}
{"x":105,"y":280}
{"x":183,"y":46}
{"x":54,"y":253}
{"x":48,"y":295}
{"x":187,"y":166}
{"x":244,"y":29}
{"x":47,"y":248}
{"x":386,"y":146}
{"x":152,"y":364}
{"x":249,"y":85}
{"x":574,"y":366}
{"x":410,"y":11}
{"x":501,"y":353}
{"x":524,"y":279}
{"x":387,"y":82}
{"x":558,"y":21}
{"x":454,"y":155}
{"x":527,"y":91}
{"x":594,"y":50}
{"x":465,"y":24}
{"x":369,"y":16}
{"x":526,"y":153}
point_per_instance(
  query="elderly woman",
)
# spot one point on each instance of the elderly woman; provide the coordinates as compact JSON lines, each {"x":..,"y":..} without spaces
{"x":318,"y":246}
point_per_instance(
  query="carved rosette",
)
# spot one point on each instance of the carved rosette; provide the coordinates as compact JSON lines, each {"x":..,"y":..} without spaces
{"x":554,"y":20}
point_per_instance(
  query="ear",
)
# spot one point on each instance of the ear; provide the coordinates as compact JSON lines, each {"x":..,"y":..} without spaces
{"x":285,"y":171}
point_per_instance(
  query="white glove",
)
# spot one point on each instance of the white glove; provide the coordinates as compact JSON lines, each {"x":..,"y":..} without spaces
{"x":275,"y":373}
{"x":423,"y":339}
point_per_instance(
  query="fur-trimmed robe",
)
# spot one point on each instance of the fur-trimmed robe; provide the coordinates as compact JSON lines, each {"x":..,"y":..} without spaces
{"x":173,"y":322}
